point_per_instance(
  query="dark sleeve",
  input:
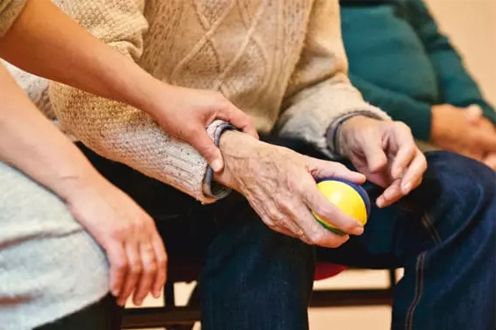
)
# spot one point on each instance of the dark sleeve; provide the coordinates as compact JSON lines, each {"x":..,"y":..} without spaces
{"x":456,"y":85}
{"x":416,"y":114}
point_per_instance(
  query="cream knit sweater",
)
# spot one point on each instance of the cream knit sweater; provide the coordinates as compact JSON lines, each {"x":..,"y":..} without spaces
{"x":280,"y":61}
{"x":9,"y":10}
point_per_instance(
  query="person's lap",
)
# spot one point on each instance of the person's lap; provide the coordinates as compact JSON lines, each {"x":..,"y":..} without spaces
{"x":49,"y":266}
{"x":248,"y":267}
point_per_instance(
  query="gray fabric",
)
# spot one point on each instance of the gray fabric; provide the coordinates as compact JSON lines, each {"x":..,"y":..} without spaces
{"x":49,"y":266}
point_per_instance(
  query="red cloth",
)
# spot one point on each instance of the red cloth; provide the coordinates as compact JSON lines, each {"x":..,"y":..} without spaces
{"x":325,"y":270}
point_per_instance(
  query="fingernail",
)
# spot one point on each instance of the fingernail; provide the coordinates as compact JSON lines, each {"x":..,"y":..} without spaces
{"x":407,"y":187}
{"x":379,"y":202}
{"x":115,"y":292}
{"x":216,"y":165}
{"x":358,"y":231}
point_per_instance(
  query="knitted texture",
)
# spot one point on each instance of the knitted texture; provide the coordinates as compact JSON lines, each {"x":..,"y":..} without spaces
{"x":280,"y":61}
{"x":9,"y":10}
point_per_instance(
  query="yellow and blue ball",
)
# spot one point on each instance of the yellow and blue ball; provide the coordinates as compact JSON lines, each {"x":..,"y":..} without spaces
{"x":347,"y":196}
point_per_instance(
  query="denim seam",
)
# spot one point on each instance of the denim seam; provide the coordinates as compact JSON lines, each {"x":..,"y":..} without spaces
{"x":426,"y":221}
{"x":419,"y":286}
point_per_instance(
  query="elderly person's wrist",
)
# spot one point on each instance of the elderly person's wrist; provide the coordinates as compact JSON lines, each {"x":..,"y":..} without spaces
{"x":336,"y":140}
{"x":237,"y":149}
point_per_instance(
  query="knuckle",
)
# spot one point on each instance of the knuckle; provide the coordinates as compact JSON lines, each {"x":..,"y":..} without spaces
{"x":121,"y":265}
{"x":161,"y":262}
{"x":135,"y":268}
{"x":402,"y":126}
{"x":316,"y":238}
{"x":120,"y":232}
{"x":151,"y":268}
{"x":324,"y":211}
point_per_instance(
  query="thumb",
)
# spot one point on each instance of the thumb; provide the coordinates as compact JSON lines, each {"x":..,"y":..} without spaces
{"x":473,"y":113}
{"x":207,"y":148}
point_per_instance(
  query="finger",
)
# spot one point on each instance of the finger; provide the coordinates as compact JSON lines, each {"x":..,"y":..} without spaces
{"x":484,"y":140}
{"x":491,"y":163}
{"x":470,"y":153}
{"x":148,"y":273}
{"x":133,"y":273}
{"x":275,"y":219}
{"x":315,"y":232}
{"x":321,"y":169}
{"x":373,"y":151}
{"x":287,"y":208}
{"x":406,"y":152}
{"x":414,"y":173}
{"x":238,"y":119}
{"x":207,"y":148}
{"x":287,"y":225}
{"x":473,"y":113}
{"x":161,"y":259}
{"x":118,"y":267}
{"x":317,"y":202}
{"x":390,"y":195}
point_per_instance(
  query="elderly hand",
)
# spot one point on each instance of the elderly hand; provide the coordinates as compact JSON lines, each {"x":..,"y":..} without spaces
{"x":127,"y":234}
{"x":386,"y":153}
{"x":280,"y":186}
{"x":464,"y":131}
{"x":475,"y":117}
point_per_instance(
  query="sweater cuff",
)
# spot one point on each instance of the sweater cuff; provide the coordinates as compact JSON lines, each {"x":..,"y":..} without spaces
{"x":9,"y":10}
{"x":210,"y":187}
{"x":332,"y":134}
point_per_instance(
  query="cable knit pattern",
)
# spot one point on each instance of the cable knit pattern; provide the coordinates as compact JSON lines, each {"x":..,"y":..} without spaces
{"x":9,"y":10}
{"x":280,"y":61}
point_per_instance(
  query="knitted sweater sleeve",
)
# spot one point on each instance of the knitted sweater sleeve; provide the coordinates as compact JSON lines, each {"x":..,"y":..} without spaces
{"x":117,"y":131}
{"x":9,"y":10}
{"x":320,"y":96}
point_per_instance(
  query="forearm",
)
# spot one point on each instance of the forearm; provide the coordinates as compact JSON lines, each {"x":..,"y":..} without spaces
{"x":32,"y":144}
{"x":46,"y":42}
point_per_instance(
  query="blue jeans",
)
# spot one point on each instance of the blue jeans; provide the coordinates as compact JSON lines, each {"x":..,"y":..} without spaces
{"x":443,"y":234}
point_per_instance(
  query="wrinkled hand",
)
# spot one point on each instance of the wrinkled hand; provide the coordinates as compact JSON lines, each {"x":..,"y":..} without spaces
{"x":464,"y":131}
{"x":127,"y":234}
{"x":386,"y":153}
{"x":475,"y":117}
{"x":280,"y":186}
{"x":185,"y":114}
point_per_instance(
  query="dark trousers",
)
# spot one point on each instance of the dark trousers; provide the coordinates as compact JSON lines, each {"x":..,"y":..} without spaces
{"x":443,"y":234}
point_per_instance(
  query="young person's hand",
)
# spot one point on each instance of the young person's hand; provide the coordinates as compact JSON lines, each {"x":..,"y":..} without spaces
{"x":185,"y":113}
{"x":127,"y":234}
{"x":63,"y":51}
